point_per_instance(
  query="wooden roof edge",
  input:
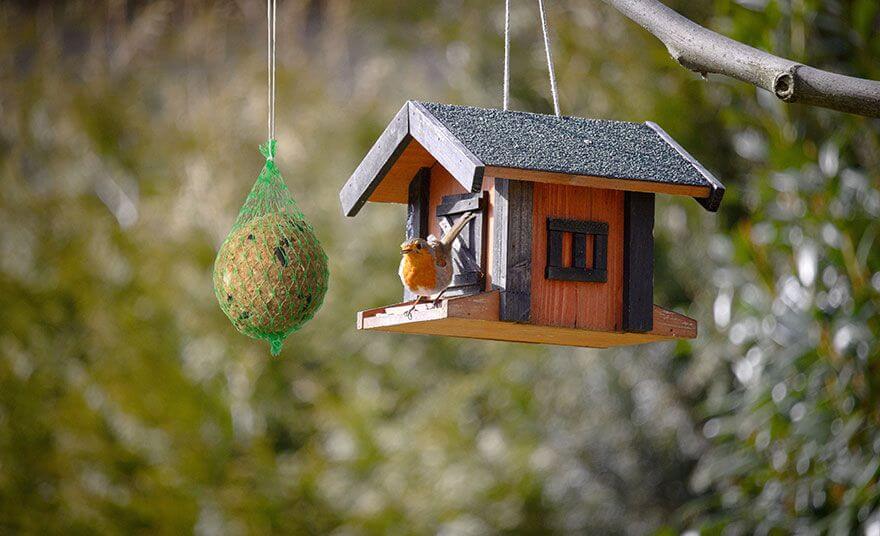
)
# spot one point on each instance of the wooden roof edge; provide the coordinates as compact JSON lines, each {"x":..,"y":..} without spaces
{"x":449,"y":151}
{"x":592,"y":181}
{"x":716,"y":190}
{"x":376,"y":164}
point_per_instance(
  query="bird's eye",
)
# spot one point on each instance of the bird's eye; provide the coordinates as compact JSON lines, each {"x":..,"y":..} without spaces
{"x":418,"y":246}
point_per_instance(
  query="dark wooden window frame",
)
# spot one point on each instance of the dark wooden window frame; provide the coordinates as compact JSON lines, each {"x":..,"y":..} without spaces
{"x":578,"y":269}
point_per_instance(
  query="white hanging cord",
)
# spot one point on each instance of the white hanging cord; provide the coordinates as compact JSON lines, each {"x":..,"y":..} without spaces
{"x":271,"y":8}
{"x":549,"y":58}
{"x":506,"y":98}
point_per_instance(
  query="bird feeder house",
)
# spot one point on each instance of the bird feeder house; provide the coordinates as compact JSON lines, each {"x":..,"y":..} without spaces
{"x":562,"y":249}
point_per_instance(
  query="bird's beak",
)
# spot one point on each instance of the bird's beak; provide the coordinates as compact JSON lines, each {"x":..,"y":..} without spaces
{"x":406,"y":248}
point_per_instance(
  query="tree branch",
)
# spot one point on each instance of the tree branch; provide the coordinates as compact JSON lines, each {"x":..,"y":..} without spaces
{"x":704,"y":51}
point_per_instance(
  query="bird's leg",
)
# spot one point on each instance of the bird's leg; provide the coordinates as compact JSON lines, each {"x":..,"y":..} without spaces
{"x":409,"y":311}
{"x":437,"y":299}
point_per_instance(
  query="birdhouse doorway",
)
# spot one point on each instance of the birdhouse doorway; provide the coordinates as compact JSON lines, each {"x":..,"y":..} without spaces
{"x":432,"y":208}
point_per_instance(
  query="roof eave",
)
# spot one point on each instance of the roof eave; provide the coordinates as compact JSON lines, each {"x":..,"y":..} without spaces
{"x":451,"y":153}
{"x":376,"y":164}
{"x":716,"y":190}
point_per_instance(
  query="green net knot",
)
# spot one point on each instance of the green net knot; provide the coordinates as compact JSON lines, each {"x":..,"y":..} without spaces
{"x":276,"y":341}
{"x":270,"y":170}
{"x":268,"y":149}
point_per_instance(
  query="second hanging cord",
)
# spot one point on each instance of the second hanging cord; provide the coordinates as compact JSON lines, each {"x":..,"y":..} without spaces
{"x":549,"y":58}
{"x":547,"y":50}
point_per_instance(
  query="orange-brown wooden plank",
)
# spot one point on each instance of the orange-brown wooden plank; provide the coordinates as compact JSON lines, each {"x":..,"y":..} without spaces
{"x":442,"y":183}
{"x":672,"y":324}
{"x":554,"y":303}
{"x":395,"y":186}
{"x":567,"y":239}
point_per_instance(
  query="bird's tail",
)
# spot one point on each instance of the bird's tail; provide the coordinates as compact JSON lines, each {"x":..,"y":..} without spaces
{"x":456,"y":229}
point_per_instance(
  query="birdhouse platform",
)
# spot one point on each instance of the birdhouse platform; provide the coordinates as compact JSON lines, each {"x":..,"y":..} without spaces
{"x":561,"y":250}
{"x":478,"y":317}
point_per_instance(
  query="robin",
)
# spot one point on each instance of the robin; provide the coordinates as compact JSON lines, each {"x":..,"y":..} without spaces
{"x":426,"y":266}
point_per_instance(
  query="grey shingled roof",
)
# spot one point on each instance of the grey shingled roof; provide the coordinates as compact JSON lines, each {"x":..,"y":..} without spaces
{"x":572,"y":145}
{"x":467,"y":140}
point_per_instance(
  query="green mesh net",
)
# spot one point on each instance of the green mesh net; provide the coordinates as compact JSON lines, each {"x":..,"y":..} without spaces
{"x":270,"y":275}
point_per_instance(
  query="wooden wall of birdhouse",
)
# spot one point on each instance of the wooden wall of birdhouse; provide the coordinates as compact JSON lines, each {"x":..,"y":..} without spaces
{"x":568,"y":302}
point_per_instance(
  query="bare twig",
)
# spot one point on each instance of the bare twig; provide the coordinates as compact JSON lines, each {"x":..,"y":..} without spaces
{"x":704,"y":51}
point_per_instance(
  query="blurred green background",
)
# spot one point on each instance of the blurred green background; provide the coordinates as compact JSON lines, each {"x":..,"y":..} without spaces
{"x":128,"y":404}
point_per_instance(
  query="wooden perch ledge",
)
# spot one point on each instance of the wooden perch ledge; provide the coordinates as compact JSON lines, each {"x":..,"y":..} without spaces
{"x":704,"y":51}
{"x":477,"y":317}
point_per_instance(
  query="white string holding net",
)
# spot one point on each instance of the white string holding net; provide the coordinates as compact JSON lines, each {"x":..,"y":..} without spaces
{"x":271,"y":12}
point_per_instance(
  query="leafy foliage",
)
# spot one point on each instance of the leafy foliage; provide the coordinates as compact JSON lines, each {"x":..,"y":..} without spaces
{"x":128,"y":405}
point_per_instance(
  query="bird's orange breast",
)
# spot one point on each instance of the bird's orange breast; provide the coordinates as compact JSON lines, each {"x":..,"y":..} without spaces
{"x":418,"y":271}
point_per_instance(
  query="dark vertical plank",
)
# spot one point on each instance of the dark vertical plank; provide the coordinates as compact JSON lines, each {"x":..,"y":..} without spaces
{"x":512,"y":248}
{"x":600,"y":252}
{"x":417,"y":211}
{"x":579,"y":251}
{"x":554,"y":248}
{"x":638,"y":262}
{"x":417,"y":206}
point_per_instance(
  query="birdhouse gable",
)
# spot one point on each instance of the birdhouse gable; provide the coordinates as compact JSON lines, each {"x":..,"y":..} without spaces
{"x":413,"y":140}
{"x":471,"y":143}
